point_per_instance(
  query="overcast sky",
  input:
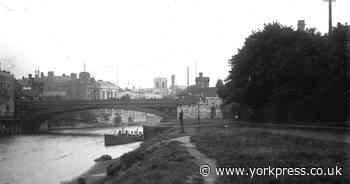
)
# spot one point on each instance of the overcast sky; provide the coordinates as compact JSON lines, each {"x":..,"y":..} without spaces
{"x":142,"y":39}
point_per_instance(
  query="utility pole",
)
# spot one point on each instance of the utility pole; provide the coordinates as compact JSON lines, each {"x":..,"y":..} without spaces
{"x":330,"y":27}
{"x":201,"y":96}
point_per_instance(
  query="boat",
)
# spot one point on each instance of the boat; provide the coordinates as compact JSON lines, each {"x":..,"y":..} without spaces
{"x":122,"y":137}
{"x":118,"y":139}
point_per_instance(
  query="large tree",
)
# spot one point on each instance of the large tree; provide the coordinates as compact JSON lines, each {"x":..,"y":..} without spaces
{"x":281,"y":65}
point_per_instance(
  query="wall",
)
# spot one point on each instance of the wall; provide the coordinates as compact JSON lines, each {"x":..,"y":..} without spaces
{"x":205,"y":108}
{"x":7,"y":87}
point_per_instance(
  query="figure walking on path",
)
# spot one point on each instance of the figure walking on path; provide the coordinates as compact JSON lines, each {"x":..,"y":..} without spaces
{"x":181,"y":118}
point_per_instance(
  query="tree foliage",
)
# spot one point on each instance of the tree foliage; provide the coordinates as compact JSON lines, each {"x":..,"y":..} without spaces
{"x":281,"y":65}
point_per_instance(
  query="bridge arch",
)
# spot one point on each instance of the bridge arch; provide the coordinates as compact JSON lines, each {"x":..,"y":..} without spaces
{"x":33,"y":120}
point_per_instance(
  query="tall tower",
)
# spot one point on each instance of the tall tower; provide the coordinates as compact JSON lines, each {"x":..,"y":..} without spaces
{"x":188,"y":76}
{"x":37,"y":73}
{"x":172,"y":81}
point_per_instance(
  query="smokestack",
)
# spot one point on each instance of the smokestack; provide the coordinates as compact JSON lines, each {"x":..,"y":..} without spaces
{"x":188,"y":76}
{"x":172,"y":81}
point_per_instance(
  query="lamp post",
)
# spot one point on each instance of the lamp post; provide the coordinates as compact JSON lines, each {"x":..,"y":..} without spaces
{"x":198,"y":106}
{"x":198,"y":114}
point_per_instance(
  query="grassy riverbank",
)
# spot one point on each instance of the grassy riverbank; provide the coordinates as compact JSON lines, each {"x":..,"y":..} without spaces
{"x":245,"y":147}
{"x":160,"y":160}
{"x":157,"y":161}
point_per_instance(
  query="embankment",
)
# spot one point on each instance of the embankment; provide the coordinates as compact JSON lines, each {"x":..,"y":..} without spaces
{"x":157,"y":161}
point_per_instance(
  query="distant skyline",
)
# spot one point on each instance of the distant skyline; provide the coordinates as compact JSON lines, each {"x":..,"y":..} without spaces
{"x":143,"y":39}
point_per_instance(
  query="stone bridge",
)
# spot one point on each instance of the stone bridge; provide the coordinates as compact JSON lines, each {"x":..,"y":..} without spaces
{"x":33,"y":113}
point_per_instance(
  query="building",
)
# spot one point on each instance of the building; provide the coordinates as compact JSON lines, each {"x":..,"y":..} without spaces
{"x":32,"y":88}
{"x":7,"y":95}
{"x":148,"y":93}
{"x":55,"y":87}
{"x":160,"y":83}
{"x":201,"y":81}
{"x":69,"y":87}
{"x":107,"y":90}
{"x":207,"y":106}
{"x":160,"y":86}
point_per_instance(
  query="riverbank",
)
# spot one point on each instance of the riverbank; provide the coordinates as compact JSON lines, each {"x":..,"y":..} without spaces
{"x":175,"y":157}
{"x":158,"y":160}
{"x":96,"y":174}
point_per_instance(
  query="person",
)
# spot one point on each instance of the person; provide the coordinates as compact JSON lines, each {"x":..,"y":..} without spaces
{"x":181,"y":116}
{"x":212,"y":112}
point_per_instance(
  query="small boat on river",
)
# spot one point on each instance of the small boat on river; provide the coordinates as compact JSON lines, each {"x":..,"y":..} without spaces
{"x":122,"y":137}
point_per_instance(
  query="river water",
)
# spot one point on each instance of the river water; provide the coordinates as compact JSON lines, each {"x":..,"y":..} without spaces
{"x":50,"y":159}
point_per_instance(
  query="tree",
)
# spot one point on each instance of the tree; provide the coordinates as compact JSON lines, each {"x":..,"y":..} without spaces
{"x":336,"y":96}
{"x":219,"y":83}
{"x":223,"y":92}
{"x":220,"y":88}
{"x":282,"y":66}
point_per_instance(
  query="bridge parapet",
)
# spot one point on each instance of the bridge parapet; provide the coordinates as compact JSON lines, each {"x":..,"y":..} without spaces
{"x":163,"y":107}
{"x":36,"y":112}
{"x":144,"y":102}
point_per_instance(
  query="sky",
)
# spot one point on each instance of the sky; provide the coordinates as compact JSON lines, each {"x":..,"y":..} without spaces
{"x":133,"y":41}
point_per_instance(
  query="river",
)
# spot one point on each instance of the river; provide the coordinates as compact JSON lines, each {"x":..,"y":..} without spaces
{"x":50,"y":159}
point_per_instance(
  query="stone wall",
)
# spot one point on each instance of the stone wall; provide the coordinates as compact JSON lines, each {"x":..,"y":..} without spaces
{"x":208,"y":109}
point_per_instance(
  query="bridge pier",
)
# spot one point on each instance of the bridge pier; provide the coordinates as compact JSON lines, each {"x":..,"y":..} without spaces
{"x":44,"y":126}
{"x":10,"y":127}
{"x":31,"y":126}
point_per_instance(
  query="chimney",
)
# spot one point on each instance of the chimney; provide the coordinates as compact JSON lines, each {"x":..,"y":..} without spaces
{"x":172,"y":81}
{"x":301,"y":25}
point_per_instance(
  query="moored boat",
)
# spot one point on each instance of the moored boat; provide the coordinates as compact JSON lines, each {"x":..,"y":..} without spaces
{"x":118,"y":139}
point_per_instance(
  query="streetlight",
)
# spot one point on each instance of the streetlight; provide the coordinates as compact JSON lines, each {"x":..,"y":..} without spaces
{"x":329,"y":16}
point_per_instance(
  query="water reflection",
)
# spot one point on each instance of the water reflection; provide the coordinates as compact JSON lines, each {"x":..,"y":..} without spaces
{"x":98,"y":117}
{"x":47,"y":159}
